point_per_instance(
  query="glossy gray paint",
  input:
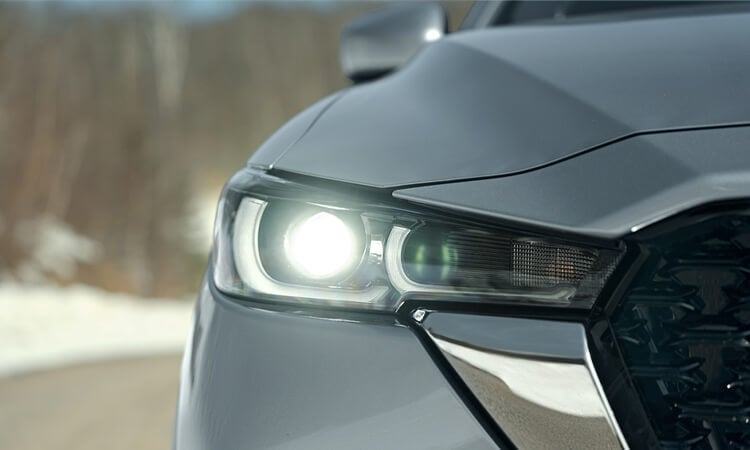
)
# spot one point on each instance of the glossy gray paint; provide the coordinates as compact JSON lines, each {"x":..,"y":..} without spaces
{"x":255,"y":379}
{"x":612,"y":191}
{"x":384,"y":40}
{"x":287,"y":135}
{"x":501,"y":101}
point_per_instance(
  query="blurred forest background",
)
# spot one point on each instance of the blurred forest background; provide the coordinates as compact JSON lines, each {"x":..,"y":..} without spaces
{"x":120,"y":122}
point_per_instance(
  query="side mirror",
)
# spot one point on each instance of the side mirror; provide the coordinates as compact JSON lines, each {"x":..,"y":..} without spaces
{"x":380,"y":42}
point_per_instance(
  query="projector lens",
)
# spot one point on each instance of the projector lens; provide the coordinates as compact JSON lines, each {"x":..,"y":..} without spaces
{"x":320,"y":246}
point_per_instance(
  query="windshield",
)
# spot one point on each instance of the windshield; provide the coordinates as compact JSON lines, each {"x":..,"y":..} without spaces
{"x":520,"y":12}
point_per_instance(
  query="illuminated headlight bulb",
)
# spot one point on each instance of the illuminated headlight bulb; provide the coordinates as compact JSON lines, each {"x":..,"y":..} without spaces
{"x":321,"y":246}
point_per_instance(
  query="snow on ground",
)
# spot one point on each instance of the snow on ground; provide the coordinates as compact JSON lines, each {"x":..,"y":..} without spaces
{"x":44,"y":326}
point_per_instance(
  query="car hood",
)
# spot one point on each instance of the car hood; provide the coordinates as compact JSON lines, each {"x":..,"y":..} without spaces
{"x":502,"y":101}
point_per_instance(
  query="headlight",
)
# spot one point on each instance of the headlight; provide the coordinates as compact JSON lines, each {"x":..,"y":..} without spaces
{"x":321,"y":246}
{"x":286,"y":242}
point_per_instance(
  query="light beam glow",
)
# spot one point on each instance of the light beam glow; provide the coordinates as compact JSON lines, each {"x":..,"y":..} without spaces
{"x":320,"y":246}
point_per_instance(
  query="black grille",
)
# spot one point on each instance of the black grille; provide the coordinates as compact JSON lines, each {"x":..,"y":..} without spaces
{"x":684,"y":332}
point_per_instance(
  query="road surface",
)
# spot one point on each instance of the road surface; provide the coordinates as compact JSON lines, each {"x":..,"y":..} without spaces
{"x":126,"y":404}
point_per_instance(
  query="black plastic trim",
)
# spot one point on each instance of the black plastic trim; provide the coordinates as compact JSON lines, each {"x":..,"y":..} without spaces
{"x":605,"y":351}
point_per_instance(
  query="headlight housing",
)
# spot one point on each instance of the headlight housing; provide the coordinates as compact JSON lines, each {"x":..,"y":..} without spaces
{"x":282,"y":241}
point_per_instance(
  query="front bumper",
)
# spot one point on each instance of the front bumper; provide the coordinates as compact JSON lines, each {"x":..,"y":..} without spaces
{"x":255,"y":378}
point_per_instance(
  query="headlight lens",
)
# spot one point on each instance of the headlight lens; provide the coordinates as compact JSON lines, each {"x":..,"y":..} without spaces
{"x":281,"y":241}
{"x":320,"y":246}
